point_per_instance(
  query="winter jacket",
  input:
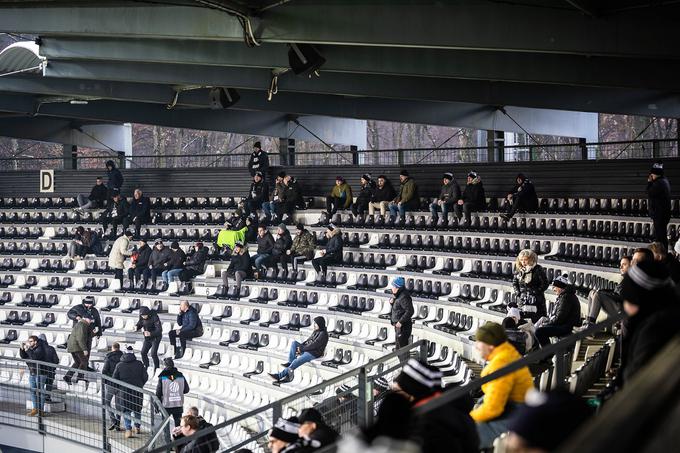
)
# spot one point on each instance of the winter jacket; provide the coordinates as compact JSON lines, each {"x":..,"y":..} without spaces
{"x":189,"y":320}
{"x":171,"y":397}
{"x":259,"y":192}
{"x":82,"y":311}
{"x":279,"y":190}
{"x":259,"y":161}
{"x":402,"y":307}
{"x":474,"y":194}
{"x":316,"y":343}
{"x":152,"y":324}
{"x":80,"y":339}
{"x":38,"y":353}
{"x":518,"y":338}
{"x":659,"y":198}
{"x":344,"y":193}
{"x":176,"y":261}
{"x":140,"y":208}
{"x":98,"y":195}
{"x":229,"y":237}
{"x":196,"y":262}
{"x":143,"y":255}
{"x":291,"y":193}
{"x":334,"y":246}
{"x":386,"y":193}
{"x":132,"y":372}
{"x":282,"y":243}
{"x":447,"y":429}
{"x":110,"y":361}
{"x":530,"y":285}
{"x":408,"y":193}
{"x":525,"y":193}
{"x":209,"y":442}
{"x":566,"y":311}
{"x":512,"y":387}
{"x":366,"y":194}
{"x":240,"y":262}
{"x":119,"y":251}
{"x":159,"y":258}
{"x":265,"y":244}
{"x":115,"y":177}
{"x":304,"y":244}
{"x":449,"y":193}
{"x":118,"y":209}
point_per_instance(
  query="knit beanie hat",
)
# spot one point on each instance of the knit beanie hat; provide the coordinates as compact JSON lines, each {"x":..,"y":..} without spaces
{"x":283,"y":226}
{"x":561,"y":281}
{"x":281,"y":174}
{"x":472,"y":174}
{"x":366,"y":176}
{"x":492,"y":334}
{"x":343,"y":390}
{"x":398,"y":282}
{"x":448,"y":175}
{"x":300,"y":226}
{"x":403,"y":173}
{"x":174,"y":245}
{"x":168,"y":362}
{"x":257,"y":145}
{"x":311,"y":415}
{"x":419,"y":379}
{"x":381,"y":384}
{"x":258,"y":173}
{"x":144,"y":311}
{"x":285,"y":429}
{"x":129,"y":350}
{"x":340,"y":178}
{"x":88,"y":300}
{"x":644,"y":281}
{"x":657,"y":169}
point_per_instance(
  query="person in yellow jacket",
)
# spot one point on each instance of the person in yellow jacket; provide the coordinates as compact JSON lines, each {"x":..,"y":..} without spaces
{"x":502,"y":395}
{"x":340,"y":197}
{"x":227,"y":236}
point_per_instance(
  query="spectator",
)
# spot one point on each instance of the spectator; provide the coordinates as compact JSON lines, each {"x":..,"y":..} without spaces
{"x":290,"y":199}
{"x":265,"y":247}
{"x":139,"y":213}
{"x":210,"y":442}
{"x":518,"y":337}
{"x":257,"y":195}
{"x":152,"y":330}
{"x":228,"y":236}
{"x":78,"y":345}
{"x":119,"y":251}
{"x":380,"y":389}
{"x":35,"y":349}
{"x":312,"y":348}
{"x":503,"y":395}
{"x":115,"y":178}
{"x":110,"y":362}
{"x":659,"y":202}
{"x":565,"y":314}
{"x":86,"y":309}
{"x":382,"y":196}
{"x":52,"y":357}
{"x":282,"y":246}
{"x":360,"y":207}
{"x":522,"y":197}
{"x":603,"y":299}
{"x":97,"y":198}
{"x":333,"y":252}
{"x":171,"y":388}
{"x":301,"y":250}
{"x":339,"y":198}
{"x":175,"y":265}
{"x":474,"y":199}
{"x":670,"y":262}
{"x":116,"y":214}
{"x":240,"y":266}
{"x":529,"y":283}
{"x":195,"y":264}
{"x":283,"y":435}
{"x":407,"y":199}
{"x":447,"y":199}
{"x":158,"y":260}
{"x":191,"y":425}
{"x":140,"y":261}
{"x":271,"y":208}
{"x":314,"y":432}
{"x":190,"y":327}
{"x":91,"y":242}
{"x":259,"y":160}
{"x":401,"y":312}
{"x":76,"y":248}
{"x":641,"y":254}
{"x":132,"y":372}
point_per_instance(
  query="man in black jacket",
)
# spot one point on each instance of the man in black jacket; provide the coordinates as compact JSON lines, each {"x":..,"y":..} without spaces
{"x":522,"y":197}
{"x":565,"y":315}
{"x":110,"y":361}
{"x":333,"y":252}
{"x":382,"y":195}
{"x":282,"y":244}
{"x":52,"y":357}
{"x":474,"y":198}
{"x":290,"y":199}
{"x":401,"y":313}
{"x":365,"y":196}
{"x":130,"y":401}
{"x":258,"y":194}
{"x":87,"y":310}
{"x":158,"y":260}
{"x":447,"y":199}
{"x":139,"y":213}
{"x":115,"y":214}
{"x":150,"y":325}
{"x":34,"y":349}
{"x":190,"y":327}
{"x":115,"y":181}
{"x":195,"y":264}
{"x":140,"y":261}
{"x":265,"y":246}
{"x":659,"y":202}
{"x":175,"y":265}
{"x":97,"y":198}
{"x":240,"y":266}
{"x":259,"y":160}
{"x":301,"y":353}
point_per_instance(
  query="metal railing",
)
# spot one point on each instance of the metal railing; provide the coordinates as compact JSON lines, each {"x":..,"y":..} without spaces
{"x":80,"y":412}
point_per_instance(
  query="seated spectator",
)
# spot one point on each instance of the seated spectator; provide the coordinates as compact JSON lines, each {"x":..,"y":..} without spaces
{"x":314,"y":432}
{"x":129,"y":401}
{"x":228,"y":236}
{"x":190,"y":327}
{"x":641,"y":254}
{"x":565,"y":314}
{"x":140,"y":261}
{"x":257,"y":195}
{"x":159,"y":258}
{"x":270,"y":207}
{"x":36,"y":349}
{"x":518,"y":337}
{"x":91,"y":242}
{"x":447,"y":199}
{"x":284,"y":435}
{"x":504,"y":395}
{"x":97,"y":198}
{"x":360,"y":206}
{"x":301,"y":250}
{"x":333,"y":252}
{"x":240,"y":266}
{"x":259,"y":160}
{"x":195,"y":264}
{"x":340,"y":197}
{"x":175,"y":265}
{"x":312,"y":348}
{"x":139,"y":213}
{"x":282,"y":246}
{"x":115,"y":179}
{"x":211,"y":443}
{"x":669,"y":261}
{"x":604,"y":299}
{"x":116,"y":214}
{"x":382,"y":196}
{"x":473,"y":199}
{"x":119,"y":251}
{"x":290,"y":199}
{"x":85,"y":241}
{"x":265,"y":247}
{"x":529,"y":283}
{"x":522,"y":197}
{"x":407,"y":198}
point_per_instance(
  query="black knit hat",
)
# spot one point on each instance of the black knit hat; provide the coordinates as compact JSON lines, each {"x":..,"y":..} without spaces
{"x":311,"y":415}
{"x":657,"y":169}
{"x":403,"y":173}
{"x":174,"y":245}
{"x":472,"y":174}
{"x":644,"y":281}
{"x":88,"y":300}
{"x":257,"y":145}
{"x":561,"y":281}
{"x":366,"y":176}
{"x":258,"y":173}
{"x":144,"y":311}
{"x":300,"y":226}
{"x":448,"y":175}
{"x":419,"y":379}
{"x":281,"y":174}
{"x":285,"y":429}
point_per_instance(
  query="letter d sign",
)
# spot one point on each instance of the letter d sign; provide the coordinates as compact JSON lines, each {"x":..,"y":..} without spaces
{"x":46,"y":180}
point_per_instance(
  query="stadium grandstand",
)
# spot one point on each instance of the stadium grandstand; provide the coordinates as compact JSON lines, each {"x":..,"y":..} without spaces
{"x":509,"y":287}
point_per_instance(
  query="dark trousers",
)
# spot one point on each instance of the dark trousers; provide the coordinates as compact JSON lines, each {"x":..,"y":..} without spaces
{"x":80,"y":361}
{"x":287,"y":207}
{"x":118,"y":275}
{"x":468,"y":209}
{"x":274,"y":261}
{"x":152,"y":274}
{"x":661,"y":230}
{"x":114,"y":221}
{"x":333,"y":204}
{"x":135,"y":274}
{"x":188,"y":274}
{"x":543,"y":334}
{"x":151,"y":344}
{"x":176,"y":413}
{"x":183,"y":337}
{"x":360,"y":207}
{"x":109,"y":395}
{"x":321,"y":263}
{"x":137,"y":222}
{"x":293,"y":259}
{"x":403,"y":335}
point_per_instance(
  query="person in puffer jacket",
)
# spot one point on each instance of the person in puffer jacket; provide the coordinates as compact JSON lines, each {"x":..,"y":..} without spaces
{"x":282,"y":245}
{"x":340,"y":197}
{"x":522,"y":197}
{"x":529,"y":283}
{"x":152,"y":330}
{"x":474,"y":198}
{"x":302,"y":249}
{"x":360,"y":207}
{"x":407,"y":198}
{"x":447,"y":199}
{"x":312,"y":348}
{"x":257,"y":195}
{"x":565,"y":315}
{"x":333,"y":252}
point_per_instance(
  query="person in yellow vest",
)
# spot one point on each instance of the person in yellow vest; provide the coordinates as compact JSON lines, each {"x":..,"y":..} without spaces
{"x":503,"y":395}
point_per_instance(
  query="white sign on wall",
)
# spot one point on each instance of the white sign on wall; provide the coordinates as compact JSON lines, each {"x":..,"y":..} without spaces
{"x":47,"y":181}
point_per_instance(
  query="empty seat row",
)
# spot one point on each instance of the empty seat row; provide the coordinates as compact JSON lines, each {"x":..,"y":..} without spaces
{"x":461,"y":244}
{"x":368,"y":260}
{"x":143,"y":287}
{"x":33,"y":248}
{"x":354,"y":304}
{"x":55,"y":265}
{"x":497,"y":270}
{"x":11,"y":232}
{"x":589,"y":254}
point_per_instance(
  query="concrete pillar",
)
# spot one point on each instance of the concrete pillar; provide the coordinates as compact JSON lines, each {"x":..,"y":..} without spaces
{"x":584,"y":148}
{"x":287,"y":151}
{"x":70,"y":153}
{"x":495,"y":145}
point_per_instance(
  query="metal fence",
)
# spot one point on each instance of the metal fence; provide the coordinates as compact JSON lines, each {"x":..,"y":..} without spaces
{"x":35,"y":396}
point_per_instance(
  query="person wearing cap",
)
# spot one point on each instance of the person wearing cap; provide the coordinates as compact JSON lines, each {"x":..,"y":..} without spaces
{"x":332,"y":253}
{"x":139,"y":213}
{"x":667,"y":260}
{"x":175,"y":265}
{"x":284,"y":435}
{"x":228,"y":235}
{"x":314,"y":432}
{"x":111,"y":359}
{"x":120,"y":251}
{"x":312,"y":348}
{"x":171,"y":388}
{"x":603,"y":299}
{"x":282,"y":246}
{"x":529,"y":284}
{"x":270,"y":208}
{"x":129,"y":401}
{"x":447,"y":199}
{"x":78,"y":345}
{"x":114,"y":178}
{"x":152,"y":330}
{"x":382,"y":196}
{"x":240,"y":266}
{"x":503,"y":395}
{"x":190,"y":327}
{"x":474,"y":198}
{"x":258,"y":194}
{"x":401,"y":313}
{"x":407,"y":198}
{"x":565,"y":313}
{"x":301,"y":250}
{"x":97,"y":198}
{"x":340,"y":197}
{"x":115,"y":214}
{"x":659,"y":202}
{"x":259,"y":160}
{"x":265,"y":247}
{"x":195,"y":264}
{"x":140,"y":261}
{"x":86,"y":309}
{"x":522,"y":197}
{"x":367,"y":187}
{"x":290,"y":199}
{"x":160,"y":257}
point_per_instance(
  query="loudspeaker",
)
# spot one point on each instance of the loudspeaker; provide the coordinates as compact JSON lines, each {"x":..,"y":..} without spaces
{"x":304,"y":59}
{"x":221,"y":98}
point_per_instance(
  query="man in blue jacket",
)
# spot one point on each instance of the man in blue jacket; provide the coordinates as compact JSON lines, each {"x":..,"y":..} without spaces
{"x":190,"y":327}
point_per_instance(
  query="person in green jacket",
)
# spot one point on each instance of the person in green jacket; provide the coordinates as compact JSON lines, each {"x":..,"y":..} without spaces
{"x":340,"y":196}
{"x":227,"y":237}
{"x":407,"y":199}
{"x":79,"y":344}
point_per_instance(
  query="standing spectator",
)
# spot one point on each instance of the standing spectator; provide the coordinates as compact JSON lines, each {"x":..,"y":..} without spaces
{"x":140,"y":261}
{"x":659,"y":202}
{"x":152,"y":330}
{"x":272,"y":207}
{"x":139,"y":213}
{"x":110,"y":362}
{"x":503,"y":395}
{"x":86,"y":309}
{"x":340,"y":197}
{"x":407,"y":199}
{"x":228,"y":236}
{"x":312,"y":348}
{"x":158,"y":260}
{"x":116,"y":214}
{"x":522,"y":197}
{"x":333,"y":252}
{"x":314,"y":431}
{"x":667,"y":260}
{"x":175,"y":265}
{"x":258,"y":194}
{"x":301,"y":250}
{"x":171,"y":388}
{"x":283,"y":434}
{"x":240,"y":266}
{"x":115,"y":178}
{"x":96,"y":199}
{"x":34,"y":349}
{"x":604,"y":299}
{"x":78,"y":345}
{"x":119,"y":251}
{"x":195,"y":264}
{"x":565,"y":314}
{"x":130,"y":401}
{"x":290,"y":199}
{"x":382,"y":196}
{"x":365,"y":195}
{"x":282,"y":246}
{"x":529,"y":283}
{"x":259,"y":160}
{"x":447,"y":199}
{"x":401,"y":312}
{"x":52,"y":357}
{"x":265,"y":246}
{"x":190,"y":327}
{"x":474,"y":199}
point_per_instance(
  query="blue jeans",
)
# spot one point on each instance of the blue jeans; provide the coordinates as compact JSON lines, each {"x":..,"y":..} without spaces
{"x":444,"y":208}
{"x":269,"y":208}
{"x":489,"y":431}
{"x":400,"y":209}
{"x":37,"y":383}
{"x":295,"y":362}
{"x":170,"y":275}
{"x":260,"y":259}
{"x":127,"y":419}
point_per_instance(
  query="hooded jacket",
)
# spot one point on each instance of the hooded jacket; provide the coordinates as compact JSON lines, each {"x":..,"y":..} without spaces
{"x":402,"y":307}
{"x":115,"y":177}
{"x":659,"y":198}
{"x":119,"y":251}
{"x":265,"y":244}
{"x":80,"y":339}
{"x":177,"y":258}
{"x":525,"y":192}
{"x":38,"y":353}
{"x":259,"y":192}
{"x":474,"y":194}
{"x":140,"y":208}
{"x":408,"y":192}
{"x":196,"y":262}
{"x":335,"y":245}
{"x":169,"y":394}
{"x":240,"y":262}
{"x":229,"y":237}
{"x":282,"y":243}
{"x":259,"y":161}
{"x":449,"y":193}
{"x":152,"y":324}
{"x":132,"y":372}
{"x":159,"y":258}
{"x":366,"y":193}
{"x":317,"y":342}
{"x":567,"y":310}
{"x":304,"y":244}
{"x":143,"y":255}
{"x":110,"y":361}
{"x":98,"y":195}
